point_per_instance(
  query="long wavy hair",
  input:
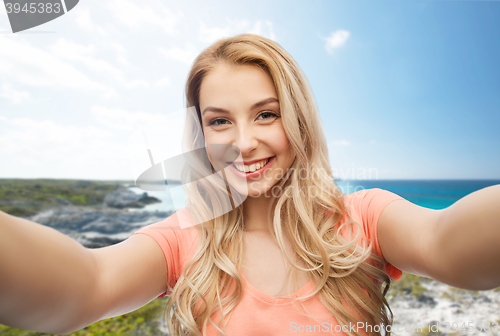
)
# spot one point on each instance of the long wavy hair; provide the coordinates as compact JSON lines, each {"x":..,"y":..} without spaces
{"x":347,"y":277}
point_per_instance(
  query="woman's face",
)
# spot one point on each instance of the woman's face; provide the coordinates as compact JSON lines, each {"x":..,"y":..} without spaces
{"x":239,"y":106}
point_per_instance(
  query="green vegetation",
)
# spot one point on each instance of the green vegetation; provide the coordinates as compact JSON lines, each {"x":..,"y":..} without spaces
{"x":26,"y":197}
{"x":409,"y":284}
{"x":141,"y":322}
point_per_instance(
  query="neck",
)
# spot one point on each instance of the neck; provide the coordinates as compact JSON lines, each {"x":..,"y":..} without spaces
{"x":255,"y":214}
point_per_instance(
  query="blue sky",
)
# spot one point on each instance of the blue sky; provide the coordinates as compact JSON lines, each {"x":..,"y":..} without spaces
{"x":406,"y":89}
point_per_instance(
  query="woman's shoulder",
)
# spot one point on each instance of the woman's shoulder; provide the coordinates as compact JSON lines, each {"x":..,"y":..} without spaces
{"x":370,"y":198}
{"x":177,"y":238}
{"x":365,"y":206}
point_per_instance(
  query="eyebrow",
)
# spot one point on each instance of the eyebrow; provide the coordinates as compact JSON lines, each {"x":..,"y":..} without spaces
{"x":254,"y":106}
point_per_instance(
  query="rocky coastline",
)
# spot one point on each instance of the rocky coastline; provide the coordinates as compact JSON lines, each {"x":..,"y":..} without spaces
{"x":108,"y":223}
{"x":428,"y":307}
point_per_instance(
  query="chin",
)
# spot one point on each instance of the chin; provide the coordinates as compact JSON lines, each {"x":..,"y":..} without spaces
{"x":262,"y":189}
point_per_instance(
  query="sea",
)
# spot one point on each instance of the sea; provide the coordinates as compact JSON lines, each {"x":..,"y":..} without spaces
{"x":433,"y":194}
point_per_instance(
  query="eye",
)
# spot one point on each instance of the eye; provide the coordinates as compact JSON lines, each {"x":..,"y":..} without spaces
{"x":214,"y":122}
{"x":269,"y":114}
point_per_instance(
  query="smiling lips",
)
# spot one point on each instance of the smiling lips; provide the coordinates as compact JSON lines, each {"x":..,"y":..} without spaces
{"x":254,"y":170}
{"x":253,"y":167}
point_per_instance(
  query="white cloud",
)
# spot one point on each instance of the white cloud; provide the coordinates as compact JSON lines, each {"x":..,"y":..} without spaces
{"x":124,"y":120}
{"x":336,"y":40}
{"x":138,"y":15}
{"x":86,"y":55}
{"x":134,"y":83}
{"x":211,"y":34}
{"x":15,"y":96}
{"x":84,"y":21}
{"x":122,"y":59}
{"x":260,"y":29}
{"x":29,"y":135}
{"x":117,"y":118}
{"x":165,"y":81}
{"x":120,"y":53}
{"x":158,"y":132}
{"x":44,"y":148}
{"x":118,"y":47}
{"x":184,"y":55}
{"x":20,"y":62}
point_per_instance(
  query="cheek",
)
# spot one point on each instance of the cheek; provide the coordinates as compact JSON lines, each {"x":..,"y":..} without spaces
{"x":279,"y":142}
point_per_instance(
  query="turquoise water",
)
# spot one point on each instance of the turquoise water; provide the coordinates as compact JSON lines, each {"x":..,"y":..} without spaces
{"x":433,"y":194}
{"x":176,"y":194}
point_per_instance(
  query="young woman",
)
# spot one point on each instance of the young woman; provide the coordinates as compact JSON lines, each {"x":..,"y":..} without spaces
{"x":295,"y":256}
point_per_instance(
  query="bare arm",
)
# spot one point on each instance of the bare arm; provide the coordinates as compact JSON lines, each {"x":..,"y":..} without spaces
{"x":468,"y":240}
{"x":131,"y":274}
{"x":45,"y":276}
{"x":50,"y":283}
{"x":459,"y":245}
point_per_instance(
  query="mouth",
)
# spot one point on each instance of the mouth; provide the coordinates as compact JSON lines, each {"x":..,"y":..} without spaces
{"x":249,"y":169}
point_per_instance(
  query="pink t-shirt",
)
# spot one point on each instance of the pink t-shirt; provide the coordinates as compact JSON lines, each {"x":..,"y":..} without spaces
{"x":258,"y":313}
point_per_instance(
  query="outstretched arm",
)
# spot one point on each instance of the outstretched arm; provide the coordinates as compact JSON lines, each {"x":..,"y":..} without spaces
{"x":51,"y":283}
{"x":45,"y":276}
{"x":459,"y":245}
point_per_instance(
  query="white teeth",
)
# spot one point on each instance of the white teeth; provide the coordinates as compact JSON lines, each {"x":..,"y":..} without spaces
{"x":252,"y":167}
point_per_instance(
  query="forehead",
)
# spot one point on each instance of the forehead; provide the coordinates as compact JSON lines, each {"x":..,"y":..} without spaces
{"x":227,"y":86}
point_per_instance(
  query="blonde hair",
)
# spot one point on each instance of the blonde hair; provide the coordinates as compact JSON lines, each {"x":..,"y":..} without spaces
{"x":347,"y":278}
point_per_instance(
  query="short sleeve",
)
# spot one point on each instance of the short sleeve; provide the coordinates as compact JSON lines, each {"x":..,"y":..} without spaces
{"x":370,"y":203}
{"x":177,"y":245}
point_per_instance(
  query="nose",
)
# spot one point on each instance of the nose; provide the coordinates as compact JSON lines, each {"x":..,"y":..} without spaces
{"x":246,"y":141}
